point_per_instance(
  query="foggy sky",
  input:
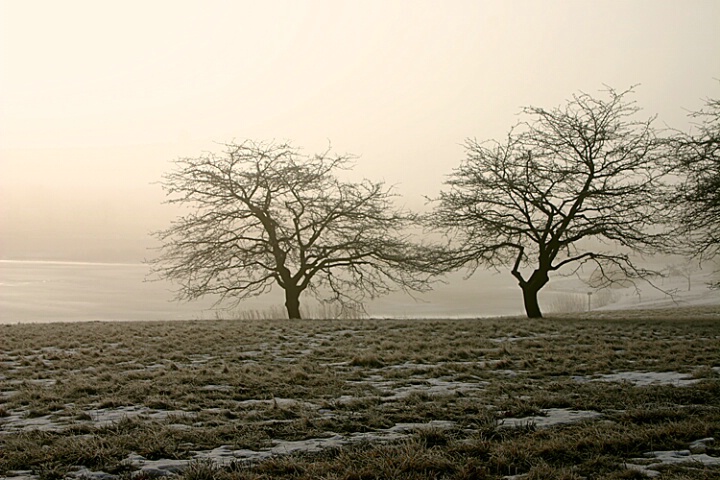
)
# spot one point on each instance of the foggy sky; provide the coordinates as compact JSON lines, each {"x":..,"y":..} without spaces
{"x":96,"y":98}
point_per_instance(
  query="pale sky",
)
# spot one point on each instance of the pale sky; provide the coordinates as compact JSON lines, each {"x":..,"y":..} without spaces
{"x":97,"y":97}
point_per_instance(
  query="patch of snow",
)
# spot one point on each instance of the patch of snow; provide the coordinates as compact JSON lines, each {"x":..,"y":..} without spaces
{"x":427,"y":386}
{"x":700,"y":446}
{"x":342,"y":400}
{"x":179,"y":426}
{"x":414,"y":366}
{"x":40,"y":382}
{"x":435,"y":387}
{"x":85,"y":474}
{"x":251,"y":353}
{"x":339,"y":333}
{"x":649,"y":466}
{"x":552,"y":417}
{"x":286,"y":447}
{"x":280,"y":402}
{"x":409,"y":427}
{"x":8,"y":393}
{"x":101,"y":417}
{"x":17,"y":421}
{"x":335,"y":364}
{"x":200,"y":359}
{"x":20,"y":475}
{"x":129,"y":363}
{"x":643,"y":379}
{"x":397,"y":432}
{"x":163,"y":414}
{"x":513,"y":338}
{"x":108,"y":416}
{"x":224,"y":455}
{"x":218,"y":388}
{"x":157,"y":468}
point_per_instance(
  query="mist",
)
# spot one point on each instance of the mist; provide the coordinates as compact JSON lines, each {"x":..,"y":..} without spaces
{"x":97,"y":100}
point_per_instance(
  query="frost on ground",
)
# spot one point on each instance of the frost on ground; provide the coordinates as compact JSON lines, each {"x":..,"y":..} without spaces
{"x":438,"y":389}
{"x":101,"y":417}
{"x":225,"y":455}
{"x":655,"y":460}
{"x":551,"y":417}
{"x":393,"y":391}
{"x":642,"y":379}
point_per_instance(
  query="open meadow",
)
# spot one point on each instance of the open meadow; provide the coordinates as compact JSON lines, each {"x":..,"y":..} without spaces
{"x":611,"y":395}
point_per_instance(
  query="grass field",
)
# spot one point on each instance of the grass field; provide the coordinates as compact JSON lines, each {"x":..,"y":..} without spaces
{"x":613,"y":395}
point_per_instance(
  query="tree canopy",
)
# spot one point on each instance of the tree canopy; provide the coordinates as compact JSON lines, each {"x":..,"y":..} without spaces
{"x":264,"y":214}
{"x":697,"y":157}
{"x":568,"y":186}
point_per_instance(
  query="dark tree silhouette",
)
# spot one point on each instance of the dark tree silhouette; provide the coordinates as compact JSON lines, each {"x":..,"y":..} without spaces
{"x":564,"y":185}
{"x":263,"y":214}
{"x":697,"y":157}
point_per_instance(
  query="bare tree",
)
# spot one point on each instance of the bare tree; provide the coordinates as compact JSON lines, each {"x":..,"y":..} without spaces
{"x":564,"y":187}
{"x":264,"y":214}
{"x":697,"y":159}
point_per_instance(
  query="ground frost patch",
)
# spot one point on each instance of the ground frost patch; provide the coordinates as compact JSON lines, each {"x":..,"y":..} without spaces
{"x":551,"y":417}
{"x":653,"y":462}
{"x":643,"y":379}
{"x":97,"y":418}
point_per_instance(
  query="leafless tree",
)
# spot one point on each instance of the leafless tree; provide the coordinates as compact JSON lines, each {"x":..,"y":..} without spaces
{"x":697,"y":159}
{"x":264,"y":214}
{"x":571,"y":185}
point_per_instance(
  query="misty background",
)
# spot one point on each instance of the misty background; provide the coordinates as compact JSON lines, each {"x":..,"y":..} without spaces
{"x":96,"y":98}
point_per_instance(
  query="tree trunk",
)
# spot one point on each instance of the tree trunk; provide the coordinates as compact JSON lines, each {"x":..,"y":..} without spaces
{"x":530,"y":290}
{"x":530,"y":299}
{"x":292,"y":303}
